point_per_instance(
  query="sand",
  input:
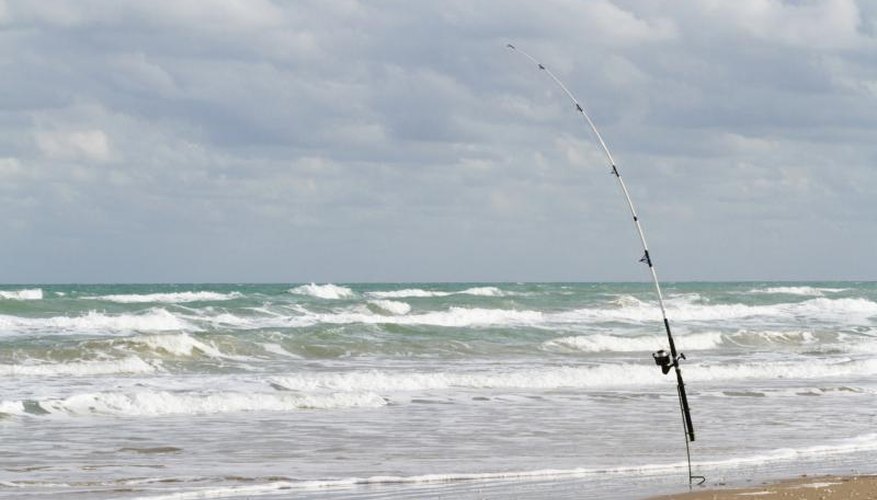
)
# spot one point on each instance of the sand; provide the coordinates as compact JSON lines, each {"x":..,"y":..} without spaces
{"x":804,"y":488}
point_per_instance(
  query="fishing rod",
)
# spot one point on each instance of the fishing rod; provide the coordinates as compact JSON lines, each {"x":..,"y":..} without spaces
{"x":665,"y":360}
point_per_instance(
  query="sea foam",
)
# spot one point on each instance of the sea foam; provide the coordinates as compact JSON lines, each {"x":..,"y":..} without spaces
{"x":173,"y":298}
{"x":856,"y":444}
{"x":28,"y":294}
{"x":637,"y":311}
{"x":386,"y":313}
{"x":96,"y":322}
{"x":181,"y":344}
{"x":327,"y":291}
{"x":486,"y":291}
{"x":617,"y":343}
{"x":536,"y":378}
{"x":390,"y":307}
{"x":162,"y":403}
{"x":599,"y":376}
{"x":453,"y":317}
{"x":129,"y":365}
{"x":808,"y":291}
{"x":693,"y":342}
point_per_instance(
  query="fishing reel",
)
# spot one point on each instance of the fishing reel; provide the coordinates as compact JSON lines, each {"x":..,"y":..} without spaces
{"x":665,"y":361}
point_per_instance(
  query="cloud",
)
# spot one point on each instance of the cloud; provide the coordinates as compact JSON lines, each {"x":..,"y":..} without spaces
{"x":90,"y":145}
{"x":825,"y":24}
{"x":233,"y":15}
{"x":264,"y":140}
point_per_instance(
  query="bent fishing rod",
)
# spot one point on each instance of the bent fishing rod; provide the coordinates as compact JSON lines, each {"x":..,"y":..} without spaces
{"x":666,"y":361}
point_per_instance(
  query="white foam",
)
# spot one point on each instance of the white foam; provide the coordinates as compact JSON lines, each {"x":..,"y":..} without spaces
{"x":162,"y":403}
{"x":95,"y":322}
{"x":180,"y":344}
{"x":855,"y":445}
{"x":11,"y":407}
{"x":599,"y":376}
{"x":29,"y":294}
{"x":327,"y":291}
{"x":536,"y":378}
{"x":277,"y":349}
{"x":688,"y":342}
{"x":487,"y":291}
{"x":818,"y":485}
{"x":627,"y":301}
{"x":617,"y":343}
{"x":391,"y":306}
{"x":174,"y":298}
{"x":818,"y":308}
{"x":407,"y":294}
{"x":781,"y":370}
{"x":866,"y":442}
{"x":453,"y":317}
{"x":274,"y":487}
{"x":808,"y":291}
{"x":129,"y":365}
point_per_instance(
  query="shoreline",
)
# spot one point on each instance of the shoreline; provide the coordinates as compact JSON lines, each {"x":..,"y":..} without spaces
{"x":805,"y":487}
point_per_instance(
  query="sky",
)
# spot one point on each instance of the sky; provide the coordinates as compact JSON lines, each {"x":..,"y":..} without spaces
{"x":395,"y":141}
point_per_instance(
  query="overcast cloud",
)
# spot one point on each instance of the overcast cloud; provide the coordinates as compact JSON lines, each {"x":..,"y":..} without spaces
{"x":257,"y":140}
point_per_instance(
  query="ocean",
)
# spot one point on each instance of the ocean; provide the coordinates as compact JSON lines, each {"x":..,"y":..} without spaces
{"x":428,"y":390}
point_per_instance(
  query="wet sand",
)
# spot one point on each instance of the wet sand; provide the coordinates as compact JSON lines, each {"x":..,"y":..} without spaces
{"x":804,"y":488}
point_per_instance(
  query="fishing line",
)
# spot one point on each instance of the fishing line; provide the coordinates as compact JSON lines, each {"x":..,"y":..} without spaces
{"x":665,"y":360}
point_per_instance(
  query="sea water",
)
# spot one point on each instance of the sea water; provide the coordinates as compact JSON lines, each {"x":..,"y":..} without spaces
{"x":490,"y":390}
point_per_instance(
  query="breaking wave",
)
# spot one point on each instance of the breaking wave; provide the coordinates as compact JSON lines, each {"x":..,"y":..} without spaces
{"x":28,"y":294}
{"x":164,"y":403}
{"x":181,"y":345}
{"x":692,"y":342}
{"x":390,"y":307}
{"x":327,"y":291}
{"x":635,"y":310}
{"x":388,"y":313}
{"x":129,"y":365}
{"x":617,"y":343}
{"x":95,"y":322}
{"x":599,"y":376}
{"x":485,"y":291}
{"x":173,"y":298}
{"x":808,"y":291}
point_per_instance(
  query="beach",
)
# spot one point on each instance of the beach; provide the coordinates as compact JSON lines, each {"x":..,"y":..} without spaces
{"x":425,"y":390}
{"x":803,"y":488}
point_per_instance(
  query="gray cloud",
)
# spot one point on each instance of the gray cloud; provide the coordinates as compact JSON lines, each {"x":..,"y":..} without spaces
{"x":348,"y":141}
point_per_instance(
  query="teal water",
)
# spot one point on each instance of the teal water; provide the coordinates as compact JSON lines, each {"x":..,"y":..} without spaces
{"x":426,"y":389}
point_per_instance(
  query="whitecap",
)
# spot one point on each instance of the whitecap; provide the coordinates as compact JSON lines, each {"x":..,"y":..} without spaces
{"x":692,"y":341}
{"x":618,"y":343}
{"x":484,"y":291}
{"x":96,"y":322}
{"x":453,"y":317}
{"x":808,"y":291}
{"x":180,"y":344}
{"x":327,"y":291}
{"x":390,"y":307}
{"x":28,"y":294}
{"x":162,"y":403}
{"x":818,"y":308}
{"x":600,"y":376}
{"x":407,"y":293}
{"x":178,"y":297}
{"x":129,"y":365}
{"x":536,"y":378}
